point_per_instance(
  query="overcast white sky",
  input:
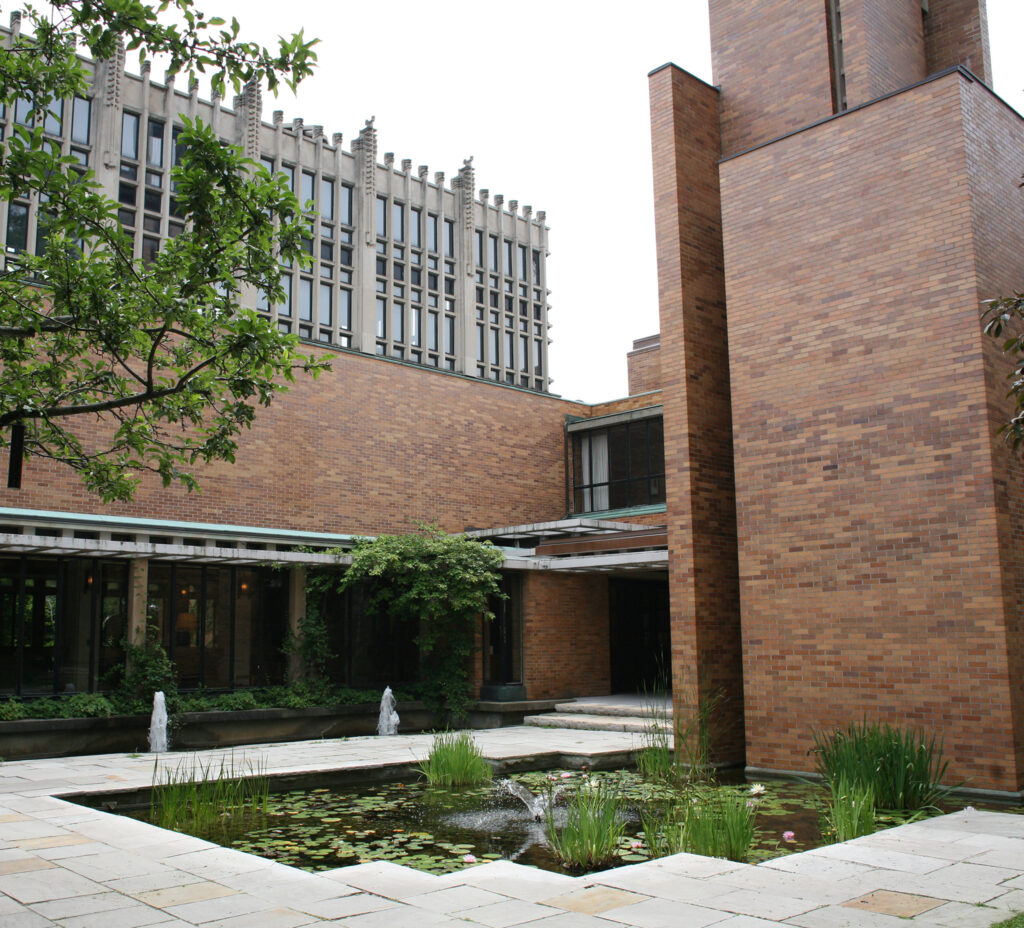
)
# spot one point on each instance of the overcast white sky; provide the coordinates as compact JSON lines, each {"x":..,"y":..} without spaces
{"x":550,"y":97}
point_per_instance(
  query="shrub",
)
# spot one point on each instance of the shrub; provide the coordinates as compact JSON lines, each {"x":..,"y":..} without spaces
{"x":903,"y":768}
{"x":593,"y":827}
{"x":455,"y":760}
{"x":233,"y":702}
{"x":852,"y":814}
{"x":88,"y":706}
{"x":148,"y":670}
{"x":12,"y":709}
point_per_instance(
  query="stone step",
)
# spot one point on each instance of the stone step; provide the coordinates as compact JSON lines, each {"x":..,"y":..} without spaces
{"x":594,"y":722}
{"x":658,"y":711}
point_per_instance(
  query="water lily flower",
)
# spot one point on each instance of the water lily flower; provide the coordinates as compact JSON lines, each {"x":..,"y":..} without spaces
{"x":566,"y":776}
{"x":758,"y":789}
{"x":789,"y":836}
{"x":469,"y":859}
{"x":636,"y":844}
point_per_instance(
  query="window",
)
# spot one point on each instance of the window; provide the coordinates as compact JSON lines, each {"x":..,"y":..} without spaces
{"x":536,"y":266}
{"x":306,"y":192}
{"x":382,"y":317}
{"x":398,"y":322}
{"x":449,"y":238}
{"x":414,"y":328}
{"x":326,"y":309}
{"x":346,"y":206}
{"x":22,"y":108}
{"x":493,"y":252}
{"x":17,"y":226}
{"x":326,"y":199}
{"x":432,"y":233}
{"x":398,"y":222}
{"x":619,"y":466}
{"x":289,"y":173}
{"x":479,"y":342}
{"x":494,"y":346}
{"x":345,"y":309}
{"x":449,"y":335}
{"x":305,"y":299}
{"x":129,"y":136}
{"x":285,"y":308}
{"x":155,"y":144}
{"x":508,"y":258}
{"x":478,"y":253}
{"x":382,"y":217}
{"x":523,"y":254}
{"x":54,"y":117}
{"x":415,"y":217}
{"x":432,"y":331}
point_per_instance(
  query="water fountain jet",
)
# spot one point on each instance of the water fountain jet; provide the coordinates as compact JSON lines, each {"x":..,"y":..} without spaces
{"x":158,"y":724}
{"x":387,"y":722}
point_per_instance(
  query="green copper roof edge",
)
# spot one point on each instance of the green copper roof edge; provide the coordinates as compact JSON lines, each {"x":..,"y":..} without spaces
{"x":166,"y":525}
{"x":618,"y":513}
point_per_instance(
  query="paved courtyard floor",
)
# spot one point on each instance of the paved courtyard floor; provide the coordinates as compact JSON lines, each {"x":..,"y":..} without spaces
{"x":65,"y":864}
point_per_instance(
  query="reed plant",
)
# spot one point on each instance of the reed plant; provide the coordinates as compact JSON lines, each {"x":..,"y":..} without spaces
{"x":197,"y":796}
{"x":852,"y":813}
{"x":593,"y":826}
{"x":455,"y":760}
{"x":903,"y":768}
{"x":713,"y":822}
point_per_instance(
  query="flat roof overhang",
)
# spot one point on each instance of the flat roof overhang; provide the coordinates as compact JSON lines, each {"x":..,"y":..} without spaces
{"x":614,"y":562}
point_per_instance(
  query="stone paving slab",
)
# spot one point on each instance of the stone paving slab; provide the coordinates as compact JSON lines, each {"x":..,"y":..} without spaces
{"x":68,"y":865}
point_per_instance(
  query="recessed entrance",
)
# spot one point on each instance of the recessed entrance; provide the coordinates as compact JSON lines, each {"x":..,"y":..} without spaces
{"x":639,"y":635}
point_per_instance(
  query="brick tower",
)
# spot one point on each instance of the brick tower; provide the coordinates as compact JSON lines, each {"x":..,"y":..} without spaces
{"x":845,"y":526}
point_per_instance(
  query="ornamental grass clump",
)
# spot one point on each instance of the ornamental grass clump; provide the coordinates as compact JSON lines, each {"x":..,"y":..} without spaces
{"x":712,"y":822}
{"x":455,"y":760}
{"x":852,"y":814}
{"x":593,"y":826}
{"x":195,"y":797}
{"x":903,"y":768}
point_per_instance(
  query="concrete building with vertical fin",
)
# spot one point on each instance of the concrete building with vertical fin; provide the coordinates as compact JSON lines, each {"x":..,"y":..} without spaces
{"x":802,"y":511}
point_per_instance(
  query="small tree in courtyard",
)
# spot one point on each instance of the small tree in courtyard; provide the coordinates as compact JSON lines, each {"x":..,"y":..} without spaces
{"x":110,"y":364}
{"x":442,"y":584}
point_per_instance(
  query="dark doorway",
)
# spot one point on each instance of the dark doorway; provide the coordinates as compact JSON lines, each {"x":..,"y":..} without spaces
{"x":640,"y":640}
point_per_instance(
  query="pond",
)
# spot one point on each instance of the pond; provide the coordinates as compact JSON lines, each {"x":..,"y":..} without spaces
{"x":439,"y":830}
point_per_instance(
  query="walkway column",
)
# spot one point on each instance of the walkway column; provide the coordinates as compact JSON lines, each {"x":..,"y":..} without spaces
{"x":296,"y":613}
{"x":138,"y":588}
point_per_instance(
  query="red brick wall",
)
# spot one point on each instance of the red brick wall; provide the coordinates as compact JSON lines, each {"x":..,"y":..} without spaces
{"x":883,"y":47}
{"x":869,"y":545}
{"x":956,"y":32}
{"x":771,"y":60}
{"x":994,"y":135}
{"x":371,"y":447}
{"x":644,"y":369}
{"x":703,"y":585}
{"x":565,"y":635}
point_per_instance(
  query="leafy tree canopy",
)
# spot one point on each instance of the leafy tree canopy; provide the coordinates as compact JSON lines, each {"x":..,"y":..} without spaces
{"x":442,"y":584}
{"x":109,"y":364}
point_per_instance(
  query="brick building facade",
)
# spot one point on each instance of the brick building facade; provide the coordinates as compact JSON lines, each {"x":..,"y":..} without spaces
{"x":857,"y":208}
{"x":807,"y":460}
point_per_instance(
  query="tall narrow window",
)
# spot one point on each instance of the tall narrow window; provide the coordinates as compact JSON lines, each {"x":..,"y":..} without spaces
{"x":285,"y":308}
{"x":432,"y":331}
{"x":836,"y":64}
{"x":326,"y":309}
{"x":398,"y":222}
{"x":326,"y":198}
{"x":431,"y":232}
{"x":17,"y":226}
{"x":129,"y":135}
{"x":493,"y":252}
{"x":382,"y":317}
{"x":345,"y":309}
{"x":305,"y":299}
{"x":54,"y":118}
{"x":346,"y":206}
{"x":449,"y":335}
{"x":449,"y":238}
{"x":523,"y":262}
{"x":22,"y":108}
{"x":509,"y":266}
{"x":478,"y":247}
{"x":536,"y":266}
{"x":382,"y":217}
{"x":306,"y":192}
{"x":415,"y":218}
{"x":398,"y":322}
{"x":155,"y":144}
